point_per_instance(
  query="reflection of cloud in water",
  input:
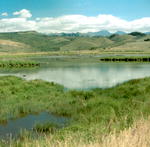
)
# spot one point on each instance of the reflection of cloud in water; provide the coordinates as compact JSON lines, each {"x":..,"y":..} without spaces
{"x":90,"y":77}
{"x":82,"y":77}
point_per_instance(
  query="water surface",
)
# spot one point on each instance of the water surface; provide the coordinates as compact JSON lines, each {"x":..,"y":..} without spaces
{"x":13,"y":127}
{"x":82,"y":73}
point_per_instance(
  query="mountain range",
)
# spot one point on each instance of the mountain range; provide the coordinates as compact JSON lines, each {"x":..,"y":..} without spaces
{"x":91,"y":34}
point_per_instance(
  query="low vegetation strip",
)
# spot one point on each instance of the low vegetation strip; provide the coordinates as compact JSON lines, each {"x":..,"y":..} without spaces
{"x":94,"y":113}
{"x":136,"y":136}
{"x":126,"y":59}
{"x":18,"y":64}
{"x":69,"y":53}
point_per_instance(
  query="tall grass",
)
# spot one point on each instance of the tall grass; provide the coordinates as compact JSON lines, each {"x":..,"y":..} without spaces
{"x":46,"y":127}
{"x":94,"y":113}
{"x":138,"y":135}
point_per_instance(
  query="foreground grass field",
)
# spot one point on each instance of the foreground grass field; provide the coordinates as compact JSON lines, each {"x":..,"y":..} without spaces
{"x":94,"y":113}
{"x":136,"y":136}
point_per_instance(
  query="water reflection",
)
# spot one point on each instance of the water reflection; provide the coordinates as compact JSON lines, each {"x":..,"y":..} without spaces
{"x":86,"y":75}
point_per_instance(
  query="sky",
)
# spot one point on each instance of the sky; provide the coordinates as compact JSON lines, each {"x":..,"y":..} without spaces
{"x":51,"y":16}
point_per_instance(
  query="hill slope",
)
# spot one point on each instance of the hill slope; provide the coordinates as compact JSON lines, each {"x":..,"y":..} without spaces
{"x":36,"y":42}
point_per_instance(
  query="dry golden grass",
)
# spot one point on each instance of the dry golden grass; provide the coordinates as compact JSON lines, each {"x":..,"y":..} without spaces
{"x":139,"y":46}
{"x":84,"y":52}
{"x":136,"y":136}
{"x":11,"y":43}
{"x":8,"y":46}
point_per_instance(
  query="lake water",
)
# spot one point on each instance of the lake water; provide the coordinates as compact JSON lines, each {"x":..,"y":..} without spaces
{"x":13,"y":127}
{"x":78,"y":73}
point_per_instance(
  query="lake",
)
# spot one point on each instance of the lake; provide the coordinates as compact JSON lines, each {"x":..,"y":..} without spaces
{"x":12,"y":128}
{"x":81,"y":73}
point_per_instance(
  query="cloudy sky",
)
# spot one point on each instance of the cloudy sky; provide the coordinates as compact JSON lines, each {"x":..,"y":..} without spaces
{"x":50,"y":16}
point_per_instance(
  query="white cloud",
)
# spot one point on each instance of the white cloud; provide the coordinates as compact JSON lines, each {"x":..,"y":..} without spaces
{"x":16,"y":24}
{"x":81,"y":23}
{"x":4,"y":14}
{"x":23,"y":13}
{"x":72,"y":23}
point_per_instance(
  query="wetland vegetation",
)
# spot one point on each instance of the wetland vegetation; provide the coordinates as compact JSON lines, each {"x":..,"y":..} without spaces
{"x":18,"y":64}
{"x":126,"y":59}
{"x":93,"y":113}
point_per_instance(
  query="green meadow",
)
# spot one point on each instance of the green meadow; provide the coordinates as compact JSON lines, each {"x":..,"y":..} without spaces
{"x":92,"y":113}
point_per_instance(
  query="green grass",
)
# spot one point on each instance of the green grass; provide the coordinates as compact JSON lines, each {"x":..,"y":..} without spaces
{"x":126,"y":59}
{"x":18,"y":64}
{"x":97,"y":111}
{"x":46,"y":128}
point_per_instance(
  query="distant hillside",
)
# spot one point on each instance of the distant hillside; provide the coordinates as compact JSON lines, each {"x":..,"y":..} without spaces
{"x":87,"y":43}
{"x":12,"y":46}
{"x":35,"y":41}
{"x":32,"y":41}
{"x":135,"y":42}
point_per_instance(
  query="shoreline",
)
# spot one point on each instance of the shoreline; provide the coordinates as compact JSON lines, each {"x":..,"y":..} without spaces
{"x":73,"y":53}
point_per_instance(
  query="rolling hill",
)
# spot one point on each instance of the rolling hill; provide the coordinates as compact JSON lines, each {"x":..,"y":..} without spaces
{"x":32,"y":41}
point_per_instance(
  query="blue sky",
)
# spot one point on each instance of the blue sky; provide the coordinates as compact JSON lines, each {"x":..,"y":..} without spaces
{"x":55,"y":16}
{"x":125,"y":9}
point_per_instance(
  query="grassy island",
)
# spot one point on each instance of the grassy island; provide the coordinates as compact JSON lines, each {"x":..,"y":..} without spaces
{"x":18,"y":64}
{"x":126,"y":59}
